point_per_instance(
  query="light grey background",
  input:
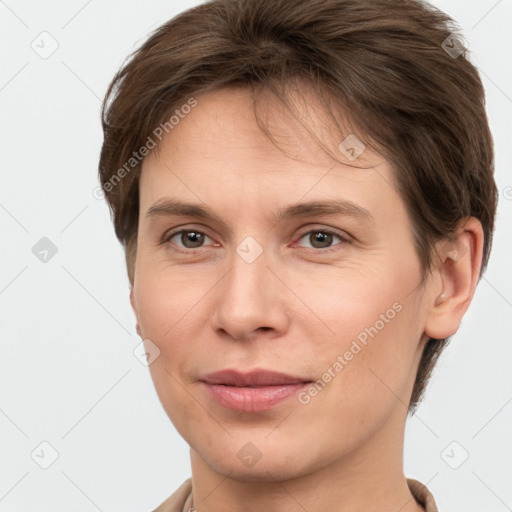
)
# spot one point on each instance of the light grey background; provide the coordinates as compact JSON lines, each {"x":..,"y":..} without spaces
{"x":68,"y":375}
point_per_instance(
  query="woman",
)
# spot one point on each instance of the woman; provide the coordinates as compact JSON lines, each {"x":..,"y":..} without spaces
{"x":305,"y":194}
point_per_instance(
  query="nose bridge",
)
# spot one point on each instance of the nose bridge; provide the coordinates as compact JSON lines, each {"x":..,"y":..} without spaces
{"x":247,"y":282}
{"x":248,"y":297}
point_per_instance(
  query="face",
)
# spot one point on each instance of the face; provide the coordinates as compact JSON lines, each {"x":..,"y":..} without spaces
{"x":290,"y":263}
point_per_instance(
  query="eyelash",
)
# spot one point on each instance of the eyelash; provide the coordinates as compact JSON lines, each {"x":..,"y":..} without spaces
{"x":184,"y":250}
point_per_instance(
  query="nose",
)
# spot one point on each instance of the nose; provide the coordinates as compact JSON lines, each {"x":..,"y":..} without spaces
{"x":250,"y":301}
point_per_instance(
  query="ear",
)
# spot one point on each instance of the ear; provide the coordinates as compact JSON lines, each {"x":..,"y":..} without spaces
{"x":456,"y":277}
{"x":134,"y":308}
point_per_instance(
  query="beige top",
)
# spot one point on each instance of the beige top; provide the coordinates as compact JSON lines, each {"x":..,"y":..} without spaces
{"x":181,"y":499}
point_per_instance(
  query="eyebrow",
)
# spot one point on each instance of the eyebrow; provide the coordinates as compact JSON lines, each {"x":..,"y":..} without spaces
{"x":173,"y":207}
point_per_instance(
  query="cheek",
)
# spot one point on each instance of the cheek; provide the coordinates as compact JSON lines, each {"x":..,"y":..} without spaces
{"x":168,"y":304}
{"x":358,"y":307}
{"x":168,"y":309}
{"x":379,"y":376}
{"x":372,"y":353}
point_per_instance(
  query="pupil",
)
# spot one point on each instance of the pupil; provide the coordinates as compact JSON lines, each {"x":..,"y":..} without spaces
{"x":193,"y":238}
{"x":324,"y":239}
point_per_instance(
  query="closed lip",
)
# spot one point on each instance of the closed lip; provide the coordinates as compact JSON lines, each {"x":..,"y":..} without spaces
{"x":254,"y":378}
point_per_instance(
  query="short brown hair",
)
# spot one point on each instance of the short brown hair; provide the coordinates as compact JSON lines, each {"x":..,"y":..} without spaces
{"x":385,"y":65}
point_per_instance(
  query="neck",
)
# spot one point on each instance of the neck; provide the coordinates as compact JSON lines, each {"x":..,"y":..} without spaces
{"x":369,"y":479}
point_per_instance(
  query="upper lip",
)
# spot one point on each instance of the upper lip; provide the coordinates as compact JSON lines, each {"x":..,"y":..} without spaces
{"x":253,"y":378}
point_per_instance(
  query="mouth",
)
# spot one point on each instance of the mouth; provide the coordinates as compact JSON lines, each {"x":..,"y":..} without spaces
{"x":256,"y":391}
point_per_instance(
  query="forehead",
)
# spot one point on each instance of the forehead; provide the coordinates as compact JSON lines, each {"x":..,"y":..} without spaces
{"x":236,"y":119}
{"x":233,"y":123}
{"x":219,"y":148}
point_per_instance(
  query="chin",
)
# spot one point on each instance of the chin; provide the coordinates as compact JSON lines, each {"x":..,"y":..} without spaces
{"x":263,"y":471}
{"x":275,"y":463}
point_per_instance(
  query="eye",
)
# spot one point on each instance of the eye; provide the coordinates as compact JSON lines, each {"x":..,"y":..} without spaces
{"x":187,"y":239}
{"x":323,"y":238}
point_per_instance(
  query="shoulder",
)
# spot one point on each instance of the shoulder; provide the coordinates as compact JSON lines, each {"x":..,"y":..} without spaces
{"x":177,"y":500}
{"x":422,"y":495}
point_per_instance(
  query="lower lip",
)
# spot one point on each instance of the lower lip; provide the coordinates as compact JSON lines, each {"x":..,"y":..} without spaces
{"x":249,"y":399}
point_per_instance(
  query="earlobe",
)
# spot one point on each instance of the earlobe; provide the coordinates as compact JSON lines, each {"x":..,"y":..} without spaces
{"x":132,"y":299}
{"x":132,"y":302}
{"x":458,"y":271}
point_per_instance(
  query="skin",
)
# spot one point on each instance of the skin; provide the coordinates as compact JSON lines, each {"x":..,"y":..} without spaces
{"x":294,"y":309}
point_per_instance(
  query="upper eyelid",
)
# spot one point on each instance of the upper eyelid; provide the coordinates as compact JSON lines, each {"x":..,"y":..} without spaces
{"x":173,"y":232}
{"x":338,"y":233}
